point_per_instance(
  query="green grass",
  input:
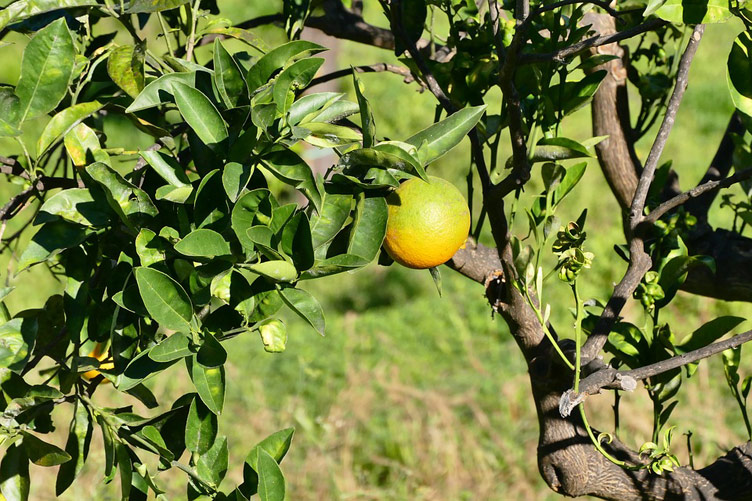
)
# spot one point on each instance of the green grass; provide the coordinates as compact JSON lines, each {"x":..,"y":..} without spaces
{"x":412,"y":396}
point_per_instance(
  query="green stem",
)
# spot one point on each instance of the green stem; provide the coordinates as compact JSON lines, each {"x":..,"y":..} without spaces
{"x":545,"y":329}
{"x":165,"y":34}
{"x":599,"y":447}
{"x":192,"y":37}
{"x":577,"y":337}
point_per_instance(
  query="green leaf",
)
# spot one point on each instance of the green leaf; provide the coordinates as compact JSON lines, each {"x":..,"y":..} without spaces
{"x":165,"y":299}
{"x":141,"y":368}
{"x":368,"y":125}
{"x":739,"y":72}
{"x":128,"y":201}
{"x":200,"y":428}
{"x":173,"y":347}
{"x":150,"y":247}
{"x":51,"y":239}
{"x":240,"y":34}
{"x":24,"y":9}
{"x":211,"y":353}
{"x":296,"y":76}
{"x":387,"y":155}
{"x":76,"y":205}
{"x":43,"y":454}
{"x":271,"y":483}
{"x":330,"y":218}
{"x":156,"y":92}
{"x":64,"y":122}
{"x":439,"y":138}
{"x":277,"y":270}
{"x":368,"y":227}
{"x":203,"y":243}
{"x":14,"y":474}
{"x":166,"y":167}
{"x":227,"y":76}
{"x":46,"y":68}
{"x":274,"y":60}
{"x":288,"y":167}
{"x":235,"y":177}
{"x":572,"y":176}
{"x":82,"y":140}
{"x":326,"y":135}
{"x":334,"y":265}
{"x":296,"y":241}
{"x":277,"y":444}
{"x":212,"y":466}
{"x":142,"y":6}
{"x":245,"y":211}
{"x":125,"y":65}
{"x":125,"y":466}
{"x":13,"y":347}
{"x":311,"y":105}
{"x":694,"y":11}
{"x":108,"y":443}
{"x":209,"y":383}
{"x":77,"y":446}
{"x":436,"y":276}
{"x":306,"y":306}
{"x":200,"y":114}
{"x":708,"y":333}
{"x":412,"y":17}
{"x":274,"y":335}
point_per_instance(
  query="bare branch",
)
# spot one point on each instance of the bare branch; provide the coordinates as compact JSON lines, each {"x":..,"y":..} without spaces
{"x":682,"y":79}
{"x":719,"y":166}
{"x":596,"y":41}
{"x":627,"y":380}
{"x":696,"y":192}
{"x":369,"y":68}
{"x":521,"y":169}
{"x":640,"y":262}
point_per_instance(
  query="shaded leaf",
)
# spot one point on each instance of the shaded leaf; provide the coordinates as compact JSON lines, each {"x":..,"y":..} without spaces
{"x":306,"y":306}
{"x":200,"y":428}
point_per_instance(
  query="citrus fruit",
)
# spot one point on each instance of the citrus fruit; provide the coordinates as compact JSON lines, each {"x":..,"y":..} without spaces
{"x":100,"y":353}
{"x":428,"y":222}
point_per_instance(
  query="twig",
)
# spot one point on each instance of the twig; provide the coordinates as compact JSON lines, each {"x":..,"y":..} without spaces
{"x":640,"y":262}
{"x":719,"y":167}
{"x":596,"y":41}
{"x":521,"y":170}
{"x":695,"y":192}
{"x":682,"y":79}
{"x":563,"y":3}
{"x":368,"y":68}
{"x":430,"y":80}
{"x":627,"y":380}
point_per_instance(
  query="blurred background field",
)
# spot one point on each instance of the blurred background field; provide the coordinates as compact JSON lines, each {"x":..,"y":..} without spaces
{"x":412,"y":396}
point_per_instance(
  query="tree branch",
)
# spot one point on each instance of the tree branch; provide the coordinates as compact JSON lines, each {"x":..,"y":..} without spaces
{"x":369,"y":68}
{"x":627,"y":380}
{"x":640,"y":262}
{"x":611,"y":117}
{"x":719,"y":167}
{"x":682,"y":79}
{"x":695,"y":193}
{"x":596,"y":41}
